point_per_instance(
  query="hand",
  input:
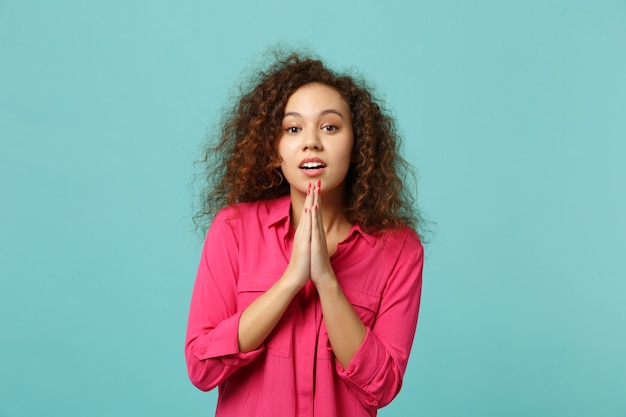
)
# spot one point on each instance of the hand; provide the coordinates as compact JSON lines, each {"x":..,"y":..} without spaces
{"x":309,"y":254}
{"x":299,"y":267}
{"x":321,"y":269}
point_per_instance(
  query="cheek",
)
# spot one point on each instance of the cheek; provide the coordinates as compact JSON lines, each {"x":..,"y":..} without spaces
{"x":283,"y":149}
{"x":349,"y":150}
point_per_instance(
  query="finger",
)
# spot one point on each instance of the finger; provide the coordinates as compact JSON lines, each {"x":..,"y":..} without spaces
{"x":318,"y":223}
{"x":315,"y":206}
{"x":317,"y":203}
{"x":318,"y":200}
{"x":314,"y":215}
{"x":306,"y":207}
{"x":308,"y":201}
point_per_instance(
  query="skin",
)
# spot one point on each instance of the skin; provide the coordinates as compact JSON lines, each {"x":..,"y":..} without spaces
{"x":317,"y":124}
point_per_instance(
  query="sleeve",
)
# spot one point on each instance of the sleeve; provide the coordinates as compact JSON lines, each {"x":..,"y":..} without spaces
{"x":212,"y":345}
{"x":375,"y":372}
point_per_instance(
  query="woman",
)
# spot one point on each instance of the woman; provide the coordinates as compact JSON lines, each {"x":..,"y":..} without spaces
{"x":307,"y":293}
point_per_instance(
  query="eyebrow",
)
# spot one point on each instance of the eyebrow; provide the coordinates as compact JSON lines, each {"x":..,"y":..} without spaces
{"x":322,"y":113}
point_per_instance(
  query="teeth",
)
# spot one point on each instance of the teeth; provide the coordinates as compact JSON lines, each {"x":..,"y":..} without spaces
{"x":312,"y":165}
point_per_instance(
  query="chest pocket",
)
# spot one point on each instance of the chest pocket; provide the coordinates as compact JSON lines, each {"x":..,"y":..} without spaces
{"x":364,"y":303}
{"x":366,"y":306}
{"x":249,"y":288}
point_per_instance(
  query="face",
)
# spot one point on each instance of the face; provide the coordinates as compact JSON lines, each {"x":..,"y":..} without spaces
{"x":316,"y":140}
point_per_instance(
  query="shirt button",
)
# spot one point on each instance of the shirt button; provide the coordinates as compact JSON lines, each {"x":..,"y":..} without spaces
{"x":201,"y":351}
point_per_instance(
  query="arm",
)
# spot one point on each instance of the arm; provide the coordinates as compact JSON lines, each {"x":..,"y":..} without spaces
{"x":221,"y":339}
{"x":376,"y":370}
{"x":372,"y":360}
{"x":211,"y":348}
{"x":345,"y":328}
{"x":260,"y":317}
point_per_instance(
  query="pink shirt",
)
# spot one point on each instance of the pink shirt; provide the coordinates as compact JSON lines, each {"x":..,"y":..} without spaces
{"x":294,"y":372}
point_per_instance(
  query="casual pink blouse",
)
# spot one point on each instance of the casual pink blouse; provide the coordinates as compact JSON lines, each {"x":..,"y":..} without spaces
{"x":294,"y":372}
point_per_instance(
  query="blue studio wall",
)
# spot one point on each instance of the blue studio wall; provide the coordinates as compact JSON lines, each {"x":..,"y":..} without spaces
{"x":514,"y":113}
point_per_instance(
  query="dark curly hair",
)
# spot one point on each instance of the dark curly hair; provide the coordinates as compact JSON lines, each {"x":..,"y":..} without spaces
{"x":242,"y":163}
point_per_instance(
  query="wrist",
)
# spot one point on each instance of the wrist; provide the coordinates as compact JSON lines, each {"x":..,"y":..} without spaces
{"x":327,"y":283}
{"x":290,"y":284}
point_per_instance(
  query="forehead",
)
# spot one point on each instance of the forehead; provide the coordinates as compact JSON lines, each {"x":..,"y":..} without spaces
{"x":315,"y":98}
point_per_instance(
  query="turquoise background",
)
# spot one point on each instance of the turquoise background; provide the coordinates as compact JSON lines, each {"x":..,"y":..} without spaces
{"x":514,"y":113}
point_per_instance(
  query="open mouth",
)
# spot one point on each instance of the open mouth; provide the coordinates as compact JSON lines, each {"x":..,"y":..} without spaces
{"x":312,"y":165}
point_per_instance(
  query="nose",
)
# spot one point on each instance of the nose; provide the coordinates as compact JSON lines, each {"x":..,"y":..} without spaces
{"x":311,"y":140}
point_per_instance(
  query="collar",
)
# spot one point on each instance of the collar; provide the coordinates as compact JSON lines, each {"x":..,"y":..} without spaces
{"x":279,"y":213}
{"x":356,"y":229}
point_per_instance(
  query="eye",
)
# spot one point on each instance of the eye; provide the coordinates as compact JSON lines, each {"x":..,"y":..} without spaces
{"x":292,"y":129}
{"x":330,"y":128}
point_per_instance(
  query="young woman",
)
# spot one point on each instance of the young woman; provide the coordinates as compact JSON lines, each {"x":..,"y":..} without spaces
{"x":308,"y":289}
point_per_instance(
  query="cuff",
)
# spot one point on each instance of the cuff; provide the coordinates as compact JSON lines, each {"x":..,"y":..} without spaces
{"x":365,"y":363}
{"x":223,"y":343}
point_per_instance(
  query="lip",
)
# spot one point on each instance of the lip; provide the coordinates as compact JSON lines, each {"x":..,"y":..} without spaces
{"x":312,"y":172}
{"x":307,"y":160}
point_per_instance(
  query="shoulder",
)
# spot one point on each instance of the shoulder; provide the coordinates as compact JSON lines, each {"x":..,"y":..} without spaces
{"x":405,"y":254}
{"x":403,"y":239}
{"x":261,"y":211}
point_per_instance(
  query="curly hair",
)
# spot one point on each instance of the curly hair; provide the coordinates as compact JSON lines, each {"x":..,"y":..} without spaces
{"x":242,"y":163}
